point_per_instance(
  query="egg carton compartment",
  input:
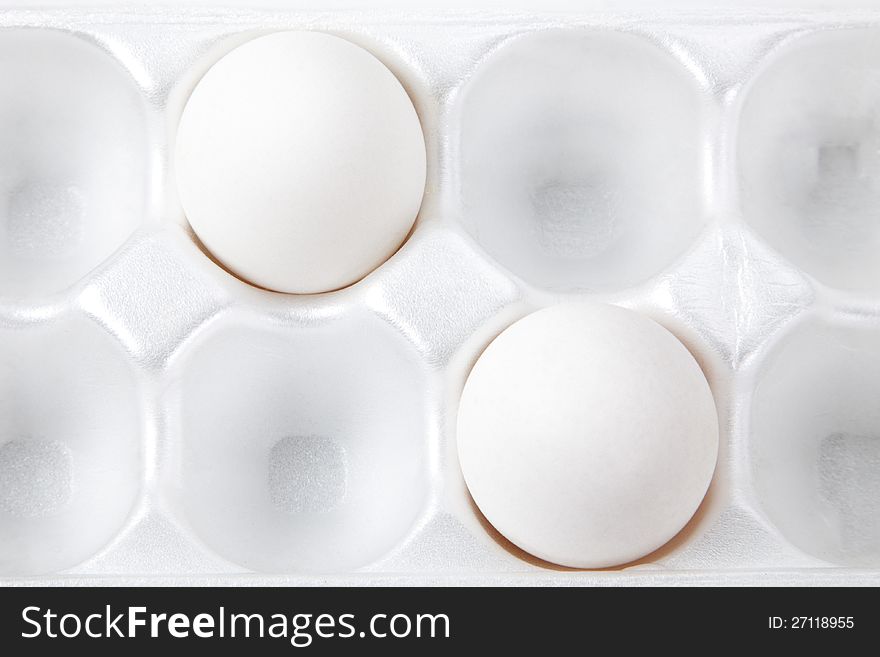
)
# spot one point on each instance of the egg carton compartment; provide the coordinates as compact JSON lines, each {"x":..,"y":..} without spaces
{"x":338,"y":414}
{"x":74,"y":160}
{"x":162,"y":421}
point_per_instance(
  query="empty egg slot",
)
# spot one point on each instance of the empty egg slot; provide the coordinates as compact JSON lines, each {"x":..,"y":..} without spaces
{"x":303,"y":450}
{"x":70,"y":445}
{"x":73,"y":160}
{"x":809,"y":156}
{"x":565,"y":178}
{"x":815,"y":442}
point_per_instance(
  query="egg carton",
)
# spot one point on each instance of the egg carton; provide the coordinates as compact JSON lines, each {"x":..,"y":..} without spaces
{"x":162,"y":421}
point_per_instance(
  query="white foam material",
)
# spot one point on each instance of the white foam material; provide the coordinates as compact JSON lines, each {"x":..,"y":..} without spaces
{"x":161,"y":404}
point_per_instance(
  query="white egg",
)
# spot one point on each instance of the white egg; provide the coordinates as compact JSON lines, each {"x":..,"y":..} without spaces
{"x":587,"y":435}
{"x":300,"y":162}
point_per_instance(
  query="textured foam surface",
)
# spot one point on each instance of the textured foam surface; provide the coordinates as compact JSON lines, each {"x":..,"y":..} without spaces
{"x":160,"y":420}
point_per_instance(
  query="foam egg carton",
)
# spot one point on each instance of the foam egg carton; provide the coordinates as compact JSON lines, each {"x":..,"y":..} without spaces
{"x":163,"y":422}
